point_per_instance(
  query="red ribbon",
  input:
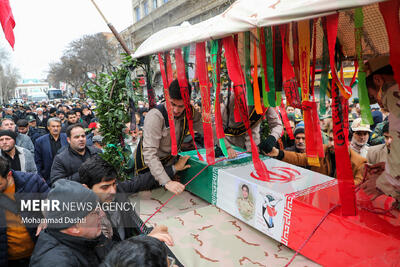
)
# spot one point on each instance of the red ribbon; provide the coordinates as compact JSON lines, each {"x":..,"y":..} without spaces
{"x":183,"y":84}
{"x":353,"y":80}
{"x":201,"y":67}
{"x":285,"y":120}
{"x":236,"y":74}
{"x":314,"y":56}
{"x":263,"y":51}
{"x":390,"y":14}
{"x":343,"y":164}
{"x":166,"y":83}
{"x":289,"y":82}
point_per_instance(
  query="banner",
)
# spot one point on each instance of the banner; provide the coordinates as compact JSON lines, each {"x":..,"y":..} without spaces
{"x":236,"y":74}
{"x":166,"y":83}
{"x":183,"y":84}
{"x":201,"y":66}
{"x":7,"y":21}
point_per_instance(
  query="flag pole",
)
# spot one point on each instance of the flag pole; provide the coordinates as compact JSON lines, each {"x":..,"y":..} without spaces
{"x":113,"y":30}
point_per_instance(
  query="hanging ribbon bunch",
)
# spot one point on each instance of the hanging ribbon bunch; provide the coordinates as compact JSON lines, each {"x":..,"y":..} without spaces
{"x":183,"y":84}
{"x":236,"y":75}
{"x":166,"y":74}
{"x":201,"y":67}
{"x":342,"y":157}
{"x":216,"y":49}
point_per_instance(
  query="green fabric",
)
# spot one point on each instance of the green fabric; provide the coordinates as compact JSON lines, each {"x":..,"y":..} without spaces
{"x":264,"y":93}
{"x":324,"y":77}
{"x":362,"y":86}
{"x":278,"y":98}
{"x":214,"y":52}
{"x":270,"y":65}
{"x":247,"y":72}
{"x":186,"y":54}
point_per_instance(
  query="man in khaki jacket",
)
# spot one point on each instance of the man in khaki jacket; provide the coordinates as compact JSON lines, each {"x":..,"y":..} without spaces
{"x":154,"y":150}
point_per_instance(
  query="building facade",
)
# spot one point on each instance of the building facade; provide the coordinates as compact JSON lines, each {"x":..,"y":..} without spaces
{"x":151,"y":16}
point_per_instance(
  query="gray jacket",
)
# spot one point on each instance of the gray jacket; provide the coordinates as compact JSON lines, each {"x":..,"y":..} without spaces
{"x":26,"y":160}
{"x":25,"y":141}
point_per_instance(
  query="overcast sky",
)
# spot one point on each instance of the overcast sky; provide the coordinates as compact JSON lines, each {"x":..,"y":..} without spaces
{"x":45,"y":27}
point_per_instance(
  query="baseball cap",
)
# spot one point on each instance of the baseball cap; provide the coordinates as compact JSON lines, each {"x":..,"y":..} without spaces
{"x":358,"y":126}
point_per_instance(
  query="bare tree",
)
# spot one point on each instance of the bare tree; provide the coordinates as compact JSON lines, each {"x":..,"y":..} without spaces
{"x":9,"y":77}
{"x":91,"y":53}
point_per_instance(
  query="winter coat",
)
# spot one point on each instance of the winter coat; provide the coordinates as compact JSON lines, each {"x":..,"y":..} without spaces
{"x":327,"y":164}
{"x":67,"y":162}
{"x":25,"y":141}
{"x":43,"y":155}
{"x":55,"y":248}
{"x":26,"y":160}
{"x":25,"y":183}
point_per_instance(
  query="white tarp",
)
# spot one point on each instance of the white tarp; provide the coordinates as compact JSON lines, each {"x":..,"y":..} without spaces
{"x":244,"y":15}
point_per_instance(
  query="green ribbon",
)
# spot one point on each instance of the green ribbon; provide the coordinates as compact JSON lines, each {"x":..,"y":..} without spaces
{"x":270,"y":65}
{"x":119,"y":152}
{"x":278,"y":98}
{"x":186,"y":54}
{"x":324,"y":76}
{"x":247,"y":72}
{"x":264,"y":93}
{"x":362,"y":86}
{"x":214,"y":52}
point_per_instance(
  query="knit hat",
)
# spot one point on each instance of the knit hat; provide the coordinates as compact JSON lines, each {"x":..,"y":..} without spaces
{"x":22,"y":123}
{"x":9,"y":133}
{"x":299,"y":129}
{"x":52,"y":110}
{"x":75,"y":202}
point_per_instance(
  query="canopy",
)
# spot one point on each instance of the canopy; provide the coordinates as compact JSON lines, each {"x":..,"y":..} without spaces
{"x":244,"y":15}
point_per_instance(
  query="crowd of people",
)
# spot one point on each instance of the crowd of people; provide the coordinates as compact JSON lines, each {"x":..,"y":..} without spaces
{"x":55,"y":150}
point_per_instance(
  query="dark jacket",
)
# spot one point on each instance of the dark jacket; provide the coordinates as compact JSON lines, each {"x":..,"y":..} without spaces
{"x":55,"y":248}
{"x":34,"y":134}
{"x":67,"y":162}
{"x":130,"y":220}
{"x":44,"y":157}
{"x":24,"y":183}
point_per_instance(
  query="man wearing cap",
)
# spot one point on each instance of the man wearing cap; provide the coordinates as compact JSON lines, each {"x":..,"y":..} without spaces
{"x":299,"y":141}
{"x":17,"y":238}
{"x":383,"y":88}
{"x":23,"y":128}
{"x":47,"y":146}
{"x":71,"y":234}
{"x":360,"y":137}
{"x":21,"y":140}
{"x":20,"y":158}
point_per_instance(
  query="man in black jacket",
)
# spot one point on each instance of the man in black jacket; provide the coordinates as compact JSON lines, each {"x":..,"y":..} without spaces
{"x":67,"y":162}
{"x":71,"y":240}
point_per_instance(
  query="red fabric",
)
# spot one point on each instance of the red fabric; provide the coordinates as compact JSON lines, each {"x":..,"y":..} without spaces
{"x":286,"y":122}
{"x":353,"y":80}
{"x":201,"y":66}
{"x":174,"y":148}
{"x":343,"y":164}
{"x":289,"y":82}
{"x":183,"y":84}
{"x":331,"y":20}
{"x":390,"y":14}
{"x":170,"y":74}
{"x":7,"y":21}
{"x":236,"y":75}
{"x":218,"y":117}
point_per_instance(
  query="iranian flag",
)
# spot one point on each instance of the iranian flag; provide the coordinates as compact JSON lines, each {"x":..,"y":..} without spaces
{"x":7,"y":21}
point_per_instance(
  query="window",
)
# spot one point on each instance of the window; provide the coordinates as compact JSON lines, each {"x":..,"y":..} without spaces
{"x":154,"y":4}
{"x":137,"y":12}
{"x":146,"y":8}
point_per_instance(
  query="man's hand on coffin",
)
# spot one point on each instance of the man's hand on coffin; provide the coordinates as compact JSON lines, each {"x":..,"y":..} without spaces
{"x":267,"y":145}
{"x":231,"y":153}
{"x":161,"y":233}
{"x":274,"y":152}
{"x":175,"y":187}
{"x":181,"y":164}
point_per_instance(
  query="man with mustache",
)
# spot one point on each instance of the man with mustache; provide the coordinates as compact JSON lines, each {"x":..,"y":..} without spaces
{"x":299,"y":141}
{"x":68,"y":161}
